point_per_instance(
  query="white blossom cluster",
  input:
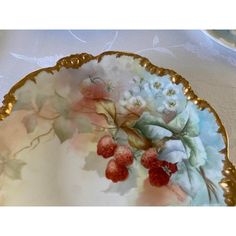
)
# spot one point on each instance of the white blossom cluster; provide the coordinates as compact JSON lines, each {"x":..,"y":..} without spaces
{"x":154,"y":94}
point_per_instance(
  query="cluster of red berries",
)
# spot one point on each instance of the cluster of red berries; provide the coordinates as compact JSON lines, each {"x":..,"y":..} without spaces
{"x":159,"y":171}
{"x":123,"y":157}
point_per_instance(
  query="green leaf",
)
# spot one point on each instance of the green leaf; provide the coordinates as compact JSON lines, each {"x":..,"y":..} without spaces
{"x":63,"y":128}
{"x":188,"y":178}
{"x":192,"y":126}
{"x":30,"y":122}
{"x":155,"y":132}
{"x":1,"y":169}
{"x":61,"y":105}
{"x":95,"y":163}
{"x":148,"y":119}
{"x":106,"y":108}
{"x":173,"y":152}
{"x":40,"y":100}
{"x":179,"y":122}
{"x":197,"y":154}
{"x":2,"y":161}
{"x":23,"y":106}
{"x":25,"y":96}
{"x":136,"y":139}
{"x":82,"y":123}
{"x":187,"y":121}
{"x":13,"y":168}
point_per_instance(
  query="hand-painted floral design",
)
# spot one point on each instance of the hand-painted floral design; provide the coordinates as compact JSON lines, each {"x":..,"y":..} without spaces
{"x":134,"y":127}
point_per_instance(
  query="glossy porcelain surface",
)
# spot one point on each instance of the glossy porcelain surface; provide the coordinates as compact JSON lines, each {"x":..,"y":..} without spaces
{"x":52,"y":149}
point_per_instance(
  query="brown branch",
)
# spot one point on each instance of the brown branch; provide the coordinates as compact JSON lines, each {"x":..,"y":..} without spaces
{"x":104,"y":127}
{"x":32,"y":142}
{"x":86,"y":107}
{"x":209,"y":184}
{"x":48,"y":118}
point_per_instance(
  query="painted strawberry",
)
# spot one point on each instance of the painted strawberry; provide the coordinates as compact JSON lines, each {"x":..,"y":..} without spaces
{"x":171,"y":167}
{"x":116,"y":172}
{"x":158,"y":177}
{"x":106,"y":146}
{"x":123,"y":155}
{"x":150,"y":159}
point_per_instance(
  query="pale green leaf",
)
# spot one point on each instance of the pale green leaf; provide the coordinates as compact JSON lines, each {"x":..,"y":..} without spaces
{"x":173,"y":152}
{"x":30,"y":122}
{"x":13,"y":168}
{"x":2,"y":163}
{"x":95,"y":163}
{"x":197,"y":155}
{"x":23,"y":105}
{"x":148,"y":119}
{"x":155,"y":132}
{"x":25,"y":96}
{"x":192,"y":127}
{"x":83,"y":124}
{"x":187,"y":121}
{"x":61,"y":105}
{"x":63,"y":128}
{"x":188,"y":178}
{"x":1,"y":169}
{"x":179,"y":122}
{"x":40,"y":100}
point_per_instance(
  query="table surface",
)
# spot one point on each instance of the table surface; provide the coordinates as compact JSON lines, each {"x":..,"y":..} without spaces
{"x":209,"y":67}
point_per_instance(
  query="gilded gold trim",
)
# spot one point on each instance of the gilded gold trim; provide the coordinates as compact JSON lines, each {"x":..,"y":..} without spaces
{"x":228,"y":183}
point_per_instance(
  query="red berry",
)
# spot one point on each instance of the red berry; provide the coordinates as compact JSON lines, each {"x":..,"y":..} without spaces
{"x":158,"y":177}
{"x":172,"y":167}
{"x":149,"y":159}
{"x":116,"y":172}
{"x":123,"y":155}
{"x":106,"y":146}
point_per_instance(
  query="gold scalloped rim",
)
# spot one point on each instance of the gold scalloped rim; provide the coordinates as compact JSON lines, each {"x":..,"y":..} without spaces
{"x":228,"y":183}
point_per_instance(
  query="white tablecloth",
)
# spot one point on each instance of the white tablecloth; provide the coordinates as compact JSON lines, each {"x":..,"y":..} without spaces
{"x":209,"y":67}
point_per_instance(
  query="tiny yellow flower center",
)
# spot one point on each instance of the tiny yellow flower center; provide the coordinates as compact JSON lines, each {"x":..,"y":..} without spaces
{"x":172,"y":103}
{"x":141,"y":80}
{"x":171,"y":92}
{"x":157,"y":85}
{"x":109,"y":86}
{"x":137,"y":103}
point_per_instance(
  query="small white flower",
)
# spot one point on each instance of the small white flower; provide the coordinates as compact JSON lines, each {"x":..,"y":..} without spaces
{"x":109,"y":86}
{"x":134,"y":91}
{"x":138,"y":80}
{"x":141,"y":80}
{"x":171,"y":104}
{"x":156,"y":84}
{"x":147,"y":90}
{"x":171,"y":91}
{"x":123,"y":102}
{"x":160,"y":108}
{"x":136,"y":103}
{"x":127,"y":95}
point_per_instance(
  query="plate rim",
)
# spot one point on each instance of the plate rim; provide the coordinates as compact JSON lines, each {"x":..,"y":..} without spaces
{"x":217,"y":40}
{"x":75,"y":61}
